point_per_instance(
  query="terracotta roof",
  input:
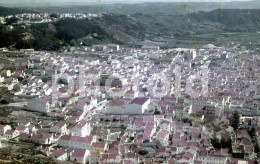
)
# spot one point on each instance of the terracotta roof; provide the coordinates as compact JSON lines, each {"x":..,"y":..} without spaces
{"x":9,"y":132}
{"x":162,"y":134}
{"x":87,"y":139}
{"x":20,"y":128}
{"x":139,"y":100}
{"x":41,"y":136}
{"x":60,"y":124}
{"x":78,"y":153}
{"x":58,"y":153}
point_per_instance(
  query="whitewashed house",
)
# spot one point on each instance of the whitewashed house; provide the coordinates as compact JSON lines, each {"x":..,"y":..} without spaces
{"x":163,"y":137}
{"x":45,"y":138}
{"x":9,"y":134}
{"x":138,"y":106}
{"x":25,"y":123}
{"x":22,"y":129}
{"x":59,"y":127}
{"x":166,"y":125}
{"x":39,"y":105}
{"x":75,"y":142}
{"x":81,"y":129}
{"x":60,"y":154}
{"x":4,"y":128}
{"x":79,"y":156}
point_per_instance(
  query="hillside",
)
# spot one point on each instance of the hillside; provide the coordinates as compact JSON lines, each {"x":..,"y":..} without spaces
{"x":4,"y":11}
{"x":140,"y":27}
{"x":144,"y":8}
{"x":172,"y":8}
{"x":54,"y":36}
{"x":194,"y":29}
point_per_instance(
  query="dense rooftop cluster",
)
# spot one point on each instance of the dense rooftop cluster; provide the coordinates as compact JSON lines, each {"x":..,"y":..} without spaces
{"x":140,"y":105}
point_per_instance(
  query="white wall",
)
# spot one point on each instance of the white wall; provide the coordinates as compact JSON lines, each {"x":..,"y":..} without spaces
{"x":39,"y":106}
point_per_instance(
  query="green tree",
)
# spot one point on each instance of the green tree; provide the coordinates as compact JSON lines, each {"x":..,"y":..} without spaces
{"x":44,"y":79}
{"x":143,"y":152}
{"x":229,"y":143}
{"x":20,"y":79}
{"x":4,"y":101}
{"x":73,"y":42}
{"x":62,"y":81}
{"x":222,"y":142}
{"x":234,"y":120}
{"x":25,"y":82}
{"x":215,"y":143}
{"x":54,"y":15}
{"x":186,"y":120}
{"x":156,"y":112}
{"x":10,"y":21}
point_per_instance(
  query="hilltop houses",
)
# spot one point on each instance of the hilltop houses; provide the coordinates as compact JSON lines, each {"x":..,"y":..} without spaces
{"x":139,"y":105}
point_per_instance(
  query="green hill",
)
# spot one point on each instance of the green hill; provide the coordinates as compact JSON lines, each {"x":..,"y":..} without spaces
{"x":144,"y":8}
{"x":4,"y":11}
{"x":173,"y":30}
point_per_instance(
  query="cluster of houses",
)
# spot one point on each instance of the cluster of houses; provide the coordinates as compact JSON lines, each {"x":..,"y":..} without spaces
{"x":31,"y":18}
{"x":133,"y":110}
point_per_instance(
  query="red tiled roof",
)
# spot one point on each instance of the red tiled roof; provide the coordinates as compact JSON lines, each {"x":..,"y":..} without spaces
{"x":58,"y":153}
{"x":9,"y":132}
{"x":87,"y":139}
{"x":20,"y":128}
{"x":60,"y":124}
{"x":94,"y":154}
{"x":79,"y":153}
{"x":139,"y":100}
{"x":2,"y":126}
{"x":81,"y":124}
{"x":24,"y":135}
{"x":162,"y":134}
{"x":41,"y":136}
{"x":116,"y":103}
{"x":98,"y":145}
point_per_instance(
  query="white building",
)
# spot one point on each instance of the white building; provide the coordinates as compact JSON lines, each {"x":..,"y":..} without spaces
{"x":9,"y":134}
{"x":212,"y":159}
{"x":114,"y":107}
{"x":59,"y":127}
{"x":166,"y":125}
{"x":138,"y":106}
{"x":81,"y":129}
{"x":39,"y":105}
{"x":60,"y":154}
{"x":4,"y":128}
{"x":163,"y":137}
{"x":23,"y":129}
{"x":75,"y":142}
{"x":46,"y":138}
{"x":79,"y":156}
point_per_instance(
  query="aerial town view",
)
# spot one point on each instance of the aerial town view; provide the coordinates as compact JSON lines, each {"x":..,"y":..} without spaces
{"x":130,"y":82}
